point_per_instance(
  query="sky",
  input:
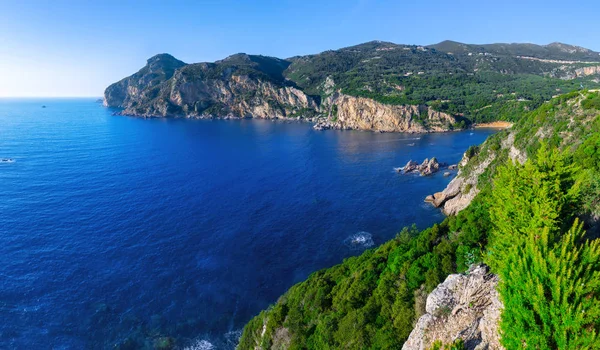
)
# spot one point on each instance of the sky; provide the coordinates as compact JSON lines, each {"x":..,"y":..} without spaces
{"x":77,"y":48}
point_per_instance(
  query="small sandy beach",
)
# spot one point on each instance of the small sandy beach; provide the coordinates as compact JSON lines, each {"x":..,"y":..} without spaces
{"x":495,"y":125}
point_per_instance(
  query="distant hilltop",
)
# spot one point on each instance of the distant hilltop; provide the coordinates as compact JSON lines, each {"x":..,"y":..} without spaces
{"x":379,"y":86}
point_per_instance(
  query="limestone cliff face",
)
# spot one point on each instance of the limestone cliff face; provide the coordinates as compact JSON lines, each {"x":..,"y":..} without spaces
{"x":240,"y":96}
{"x":249,"y":86}
{"x":464,"y":187}
{"x":240,"y":86}
{"x":142,"y":84}
{"x":463,"y":307}
{"x":359,"y":113}
{"x":586,"y":71}
{"x":568,"y":72}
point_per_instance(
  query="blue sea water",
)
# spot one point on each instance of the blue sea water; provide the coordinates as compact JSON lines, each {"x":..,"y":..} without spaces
{"x":118,"y":230}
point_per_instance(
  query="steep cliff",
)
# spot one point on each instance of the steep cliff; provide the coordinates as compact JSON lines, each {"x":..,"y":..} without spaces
{"x":377,"y":86}
{"x":565,"y":122}
{"x":238,"y":87}
{"x":466,"y":308}
{"x":359,"y":113}
{"x":142,"y":84}
{"x":247,"y":86}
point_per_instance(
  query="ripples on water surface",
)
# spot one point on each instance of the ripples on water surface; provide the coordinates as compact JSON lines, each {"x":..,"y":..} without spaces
{"x":114,"y":228}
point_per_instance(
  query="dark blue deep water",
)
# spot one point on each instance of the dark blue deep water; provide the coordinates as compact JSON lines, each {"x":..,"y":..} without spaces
{"x":114,"y":227}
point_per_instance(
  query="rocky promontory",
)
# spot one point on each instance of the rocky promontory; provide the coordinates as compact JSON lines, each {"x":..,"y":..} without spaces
{"x":465,"y":307}
{"x":251,"y":86}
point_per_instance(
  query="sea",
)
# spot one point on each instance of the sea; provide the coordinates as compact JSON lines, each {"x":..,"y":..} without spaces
{"x":125,"y":233}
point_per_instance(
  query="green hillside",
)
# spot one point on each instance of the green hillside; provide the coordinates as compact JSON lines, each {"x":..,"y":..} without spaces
{"x":524,"y":223}
{"x":483,"y":83}
{"x":477,"y":83}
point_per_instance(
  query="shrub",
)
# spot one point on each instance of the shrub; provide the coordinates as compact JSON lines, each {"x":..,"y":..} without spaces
{"x":549,"y":274}
{"x":472,"y":151}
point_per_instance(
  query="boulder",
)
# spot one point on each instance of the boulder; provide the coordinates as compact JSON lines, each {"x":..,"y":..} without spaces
{"x":410,"y":167}
{"x":464,"y":306}
{"x":438,"y":199}
{"x":428,"y":167}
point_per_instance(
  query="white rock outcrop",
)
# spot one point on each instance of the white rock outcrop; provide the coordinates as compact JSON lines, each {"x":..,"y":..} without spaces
{"x":464,"y":306}
{"x":360,"y":113}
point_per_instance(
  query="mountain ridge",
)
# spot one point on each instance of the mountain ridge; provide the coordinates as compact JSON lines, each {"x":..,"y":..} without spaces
{"x":462,"y":84}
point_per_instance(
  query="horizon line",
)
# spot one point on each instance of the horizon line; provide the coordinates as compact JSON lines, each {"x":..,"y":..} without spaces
{"x":61,"y":96}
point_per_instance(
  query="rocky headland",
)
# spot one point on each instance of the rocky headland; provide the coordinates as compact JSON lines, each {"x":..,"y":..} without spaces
{"x":375,"y":86}
{"x":249,"y":86}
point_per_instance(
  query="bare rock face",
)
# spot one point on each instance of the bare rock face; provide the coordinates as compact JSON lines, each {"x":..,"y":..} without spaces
{"x":463,"y":306}
{"x":240,"y":86}
{"x":127,"y":91}
{"x":359,"y":113}
{"x":251,"y":86}
{"x":586,"y":71}
{"x":463,"y":188}
{"x":460,"y":191}
{"x":230,"y":98}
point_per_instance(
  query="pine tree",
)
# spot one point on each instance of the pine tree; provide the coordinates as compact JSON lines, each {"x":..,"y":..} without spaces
{"x":550,"y":293}
{"x":550,"y":275}
{"x":542,"y":193}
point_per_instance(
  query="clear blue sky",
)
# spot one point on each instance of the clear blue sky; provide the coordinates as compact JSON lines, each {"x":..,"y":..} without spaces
{"x":77,"y":48}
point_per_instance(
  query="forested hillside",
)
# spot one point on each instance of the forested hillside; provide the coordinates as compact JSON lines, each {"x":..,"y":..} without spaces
{"x":470,"y":83}
{"x":534,"y":222}
{"x":483,"y":83}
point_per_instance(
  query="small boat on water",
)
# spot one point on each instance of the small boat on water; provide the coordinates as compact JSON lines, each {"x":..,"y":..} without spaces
{"x":7,"y":160}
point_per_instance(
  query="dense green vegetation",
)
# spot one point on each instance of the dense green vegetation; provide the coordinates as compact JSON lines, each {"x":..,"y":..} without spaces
{"x":369,"y":301}
{"x":591,"y":102}
{"x":475,"y":83}
{"x":491,"y":83}
{"x":523,"y":224}
{"x":549,"y":274}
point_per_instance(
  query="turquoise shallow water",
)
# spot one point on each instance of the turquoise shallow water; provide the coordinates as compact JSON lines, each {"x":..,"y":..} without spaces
{"x":117,"y":230}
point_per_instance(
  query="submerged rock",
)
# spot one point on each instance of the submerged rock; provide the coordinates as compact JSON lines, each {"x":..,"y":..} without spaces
{"x":464,"y":306}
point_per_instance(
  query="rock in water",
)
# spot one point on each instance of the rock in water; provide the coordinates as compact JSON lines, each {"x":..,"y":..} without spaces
{"x":463,"y":306}
{"x":410,"y":167}
{"x":428,"y":167}
{"x":438,"y":199}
